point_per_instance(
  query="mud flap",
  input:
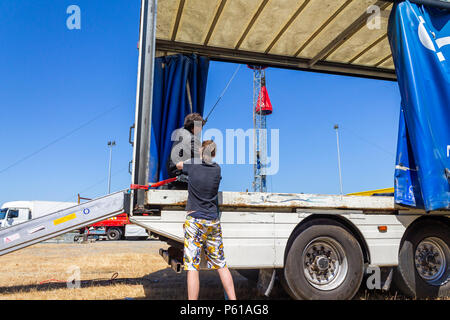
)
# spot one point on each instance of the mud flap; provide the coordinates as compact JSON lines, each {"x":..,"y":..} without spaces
{"x":266,"y":281}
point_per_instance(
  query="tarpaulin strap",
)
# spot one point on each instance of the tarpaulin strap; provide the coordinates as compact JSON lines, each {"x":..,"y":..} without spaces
{"x":138,"y":186}
{"x":163,"y":182}
{"x":155,"y":185}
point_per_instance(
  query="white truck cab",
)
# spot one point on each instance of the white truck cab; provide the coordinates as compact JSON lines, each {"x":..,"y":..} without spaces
{"x":15,"y":212}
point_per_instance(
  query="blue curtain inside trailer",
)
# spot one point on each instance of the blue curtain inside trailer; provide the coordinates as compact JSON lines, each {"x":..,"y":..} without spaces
{"x":173,"y":76}
{"x":420,"y":41}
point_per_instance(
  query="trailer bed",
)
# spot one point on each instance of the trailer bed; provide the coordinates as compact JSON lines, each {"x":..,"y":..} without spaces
{"x":257,"y":226}
{"x":283,"y":201}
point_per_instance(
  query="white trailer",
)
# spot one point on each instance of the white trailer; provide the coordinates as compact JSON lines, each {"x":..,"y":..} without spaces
{"x":320,"y":245}
{"x":15,"y":212}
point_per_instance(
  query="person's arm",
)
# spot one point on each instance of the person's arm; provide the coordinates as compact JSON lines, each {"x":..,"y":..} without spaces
{"x":184,"y":166}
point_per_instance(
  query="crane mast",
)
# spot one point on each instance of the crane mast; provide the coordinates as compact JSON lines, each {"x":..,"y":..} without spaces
{"x":261,"y":108}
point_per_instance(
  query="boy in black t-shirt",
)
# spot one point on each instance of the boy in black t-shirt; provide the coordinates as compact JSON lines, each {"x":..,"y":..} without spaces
{"x":202,"y":229}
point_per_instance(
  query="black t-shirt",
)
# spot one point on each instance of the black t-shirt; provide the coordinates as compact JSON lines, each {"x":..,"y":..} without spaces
{"x":203,"y":187}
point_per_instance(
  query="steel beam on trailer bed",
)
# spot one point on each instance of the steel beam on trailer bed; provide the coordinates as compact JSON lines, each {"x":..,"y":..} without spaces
{"x":144,"y":97}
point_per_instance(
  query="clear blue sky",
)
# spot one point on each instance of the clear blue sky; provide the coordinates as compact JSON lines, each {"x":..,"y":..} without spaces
{"x":54,"y":80}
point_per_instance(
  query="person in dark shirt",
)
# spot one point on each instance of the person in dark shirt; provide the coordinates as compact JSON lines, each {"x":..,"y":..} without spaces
{"x":185,"y":146}
{"x":202,"y":229}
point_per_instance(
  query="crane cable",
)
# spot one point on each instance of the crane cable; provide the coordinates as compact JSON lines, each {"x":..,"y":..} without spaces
{"x":223,"y":92}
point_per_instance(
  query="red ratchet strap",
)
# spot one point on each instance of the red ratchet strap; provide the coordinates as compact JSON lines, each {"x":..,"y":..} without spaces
{"x":155,"y":185}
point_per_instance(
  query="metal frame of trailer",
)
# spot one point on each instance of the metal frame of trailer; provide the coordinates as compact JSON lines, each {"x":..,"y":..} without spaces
{"x":261,"y":229}
{"x":257,"y":226}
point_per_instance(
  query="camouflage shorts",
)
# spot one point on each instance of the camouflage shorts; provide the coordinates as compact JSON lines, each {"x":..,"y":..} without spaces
{"x":206,"y":235}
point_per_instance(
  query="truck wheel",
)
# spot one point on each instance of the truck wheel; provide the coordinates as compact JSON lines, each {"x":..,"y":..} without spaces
{"x":113,"y":234}
{"x":324,"y":262}
{"x":424,"y":261}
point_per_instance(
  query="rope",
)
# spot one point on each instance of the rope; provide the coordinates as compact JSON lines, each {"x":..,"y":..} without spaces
{"x":188,"y":89}
{"x":57,"y":139}
{"x":223,"y":92}
{"x":156,"y":184}
{"x":50,"y":281}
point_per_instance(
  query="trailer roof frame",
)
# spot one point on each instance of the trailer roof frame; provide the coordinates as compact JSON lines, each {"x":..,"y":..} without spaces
{"x":247,"y":57}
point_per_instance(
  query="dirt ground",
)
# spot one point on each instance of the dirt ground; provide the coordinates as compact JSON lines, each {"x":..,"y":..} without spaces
{"x":112,"y":270}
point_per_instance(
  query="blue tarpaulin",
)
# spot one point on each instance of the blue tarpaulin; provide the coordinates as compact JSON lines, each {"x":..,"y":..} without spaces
{"x":174,"y":75}
{"x":420,"y":41}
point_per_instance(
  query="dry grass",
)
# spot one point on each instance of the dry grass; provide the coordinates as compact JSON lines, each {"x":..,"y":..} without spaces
{"x":41,"y":271}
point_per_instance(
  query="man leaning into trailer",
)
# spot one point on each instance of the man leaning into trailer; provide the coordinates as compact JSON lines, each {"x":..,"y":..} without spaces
{"x":202,"y":229}
{"x":186,"y":146}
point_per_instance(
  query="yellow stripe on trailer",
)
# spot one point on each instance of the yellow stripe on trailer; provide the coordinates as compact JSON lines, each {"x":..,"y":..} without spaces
{"x":64,"y":219}
{"x":372,"y":192}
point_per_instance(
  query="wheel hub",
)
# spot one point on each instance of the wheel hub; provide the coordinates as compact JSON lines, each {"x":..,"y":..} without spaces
{"x":321,"y":263}
{"x":324,"y":263}
{"x":430,"y":260}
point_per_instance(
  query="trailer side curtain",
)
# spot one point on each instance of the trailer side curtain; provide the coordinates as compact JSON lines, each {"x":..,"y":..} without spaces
{"x":174,"y":75}
{"x":407,"y":187}
{"x":420,"y":41}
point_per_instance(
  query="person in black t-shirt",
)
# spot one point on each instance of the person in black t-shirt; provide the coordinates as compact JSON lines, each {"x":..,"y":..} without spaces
{"x":202,"y":229}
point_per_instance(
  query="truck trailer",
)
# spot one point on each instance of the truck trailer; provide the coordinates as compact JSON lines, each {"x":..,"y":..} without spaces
{"x":114,"y":228}
{"x":15,"y":212}
{"x":316,"y":246}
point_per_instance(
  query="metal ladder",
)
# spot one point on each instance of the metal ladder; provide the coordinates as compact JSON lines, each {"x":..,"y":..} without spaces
{"x":49,"y":226}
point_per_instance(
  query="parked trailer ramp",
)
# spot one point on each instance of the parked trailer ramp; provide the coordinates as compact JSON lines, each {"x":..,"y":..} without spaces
{"x":54,"y":224}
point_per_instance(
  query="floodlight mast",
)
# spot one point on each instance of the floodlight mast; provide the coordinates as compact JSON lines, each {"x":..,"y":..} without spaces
{"x":336,"y":127}
{"x":111,"y":144}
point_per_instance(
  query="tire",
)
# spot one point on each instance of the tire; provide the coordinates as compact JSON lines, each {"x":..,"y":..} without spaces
{"x":423,"y":269}
{"x":113,"y":234}
{"x":324,"y":262}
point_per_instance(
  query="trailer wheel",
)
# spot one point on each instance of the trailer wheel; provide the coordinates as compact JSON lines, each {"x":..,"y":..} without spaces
{"x":113,"y":234}
{"x":424,"y":261}
{"x":324,"y":262}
